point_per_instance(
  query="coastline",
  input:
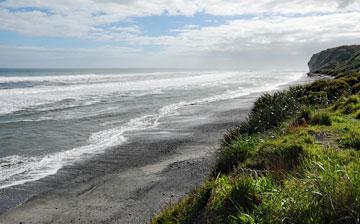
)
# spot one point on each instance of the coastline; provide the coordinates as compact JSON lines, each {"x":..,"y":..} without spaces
{"x":296,"y":158}
{"x":128,"y":188}
{"x":130,"y":183}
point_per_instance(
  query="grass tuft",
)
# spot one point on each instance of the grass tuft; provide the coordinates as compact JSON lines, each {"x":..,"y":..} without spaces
{"x":358,"y":116}
{"x":187,"y":209}
{"x":238,"y":151}
{"x":351,"y":140}
{"x":270,"y":110}
{"x":285,"y":163}
{"x":233,"y":134}
{"x":321,"y":119}
{"x":278,"y":158}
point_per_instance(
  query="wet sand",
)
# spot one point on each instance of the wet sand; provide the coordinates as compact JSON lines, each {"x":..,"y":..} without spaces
{"x":130,"y":183}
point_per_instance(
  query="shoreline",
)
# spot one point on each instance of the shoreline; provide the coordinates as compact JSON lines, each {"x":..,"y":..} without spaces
{"x":296,"y":158}
{"x":130,"y":183}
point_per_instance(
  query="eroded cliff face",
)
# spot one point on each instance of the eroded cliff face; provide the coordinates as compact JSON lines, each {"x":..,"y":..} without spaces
{"x":336,"y":60}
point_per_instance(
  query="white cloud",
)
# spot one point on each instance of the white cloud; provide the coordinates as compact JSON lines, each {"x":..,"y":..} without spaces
{"x":125,"y":8}
{"x":260,"y":33}
{"x":82,"y":18}
{"x":277,"y":30}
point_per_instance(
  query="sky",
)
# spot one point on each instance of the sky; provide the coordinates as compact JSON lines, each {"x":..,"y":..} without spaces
{"x":206,"y":34}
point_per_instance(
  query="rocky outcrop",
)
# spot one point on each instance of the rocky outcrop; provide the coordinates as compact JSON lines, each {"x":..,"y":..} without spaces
{"x":336,"y":60}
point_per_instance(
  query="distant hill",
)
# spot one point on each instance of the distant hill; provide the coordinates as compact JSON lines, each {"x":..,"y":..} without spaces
{"x":336,"y":60}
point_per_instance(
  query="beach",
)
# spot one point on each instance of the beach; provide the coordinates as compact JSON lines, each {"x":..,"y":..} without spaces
{"x":161,"y":112}
{"x":130,"y":183}
{"x":154,"y":164}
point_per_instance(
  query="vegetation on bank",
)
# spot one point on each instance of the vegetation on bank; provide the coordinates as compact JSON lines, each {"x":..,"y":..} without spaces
{"x":336,"y":60}
{"x":296,"y":159}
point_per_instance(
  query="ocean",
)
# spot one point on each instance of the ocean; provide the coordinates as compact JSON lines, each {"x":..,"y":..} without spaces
{"x":50,"y":118}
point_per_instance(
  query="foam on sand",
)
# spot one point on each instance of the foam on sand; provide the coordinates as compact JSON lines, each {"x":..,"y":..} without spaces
{"x":17,"y":170}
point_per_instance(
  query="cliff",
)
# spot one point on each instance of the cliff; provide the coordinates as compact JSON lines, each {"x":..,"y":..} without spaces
{"x":336,"y":60}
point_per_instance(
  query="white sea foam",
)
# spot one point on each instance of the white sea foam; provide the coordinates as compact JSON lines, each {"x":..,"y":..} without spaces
{"x":87,"y":78}
{"x":12,"y":100}
{"x":17,"y":170}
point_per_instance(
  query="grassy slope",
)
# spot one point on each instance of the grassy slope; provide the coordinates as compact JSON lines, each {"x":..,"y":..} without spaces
{"x":295,"y":160}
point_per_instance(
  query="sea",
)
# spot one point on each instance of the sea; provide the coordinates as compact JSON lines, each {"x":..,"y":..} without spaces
{"x":50,"y":118}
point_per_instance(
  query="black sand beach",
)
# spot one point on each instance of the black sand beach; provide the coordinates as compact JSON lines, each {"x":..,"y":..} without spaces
{"x":130,"y":183}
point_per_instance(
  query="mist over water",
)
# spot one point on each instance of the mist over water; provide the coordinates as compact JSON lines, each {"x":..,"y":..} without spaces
{"x":52,"y":118}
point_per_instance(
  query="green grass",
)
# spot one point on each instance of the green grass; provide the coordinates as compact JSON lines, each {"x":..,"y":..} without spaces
{"x":188,"y":209}
{"x":358,"y":116}
{"x":321,"y":119}
{"x":238,"y":151}
{"x":350,"y":141}
{"x":299,"y":165}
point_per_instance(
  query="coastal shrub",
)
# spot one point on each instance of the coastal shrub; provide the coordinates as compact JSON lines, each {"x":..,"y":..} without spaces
{"x":285,"y":176}
{"x":321,"y":118}
{"x":352,"y":100}
{"x":188,"y":209}
{"x":233,"y":134}
{"x":350,"y":108}
{"x":317,"y":86}
{"x":303,"y":118}
{"x":336,"y":89}
{"x":243,"y":196}
{"x":215,"y":208}
{"x":232,"y":196}
{"x":296,"y":91}
{"x":328,"y":192}
{"x":348,"y":74}
{"x":358,"y":116}
{"x":324,"y":195}
{"x":351,"y":80}
{"x":347,"y":105}
{"x":306,"y":115}
{"x":338,"y":105}
{"x":238,"y":151}
{"x":317,"y":99}
{"x":278,"y":158}
{"x":351,"y":140}
{"x":356,"y":88}
{"x":271,"y":109}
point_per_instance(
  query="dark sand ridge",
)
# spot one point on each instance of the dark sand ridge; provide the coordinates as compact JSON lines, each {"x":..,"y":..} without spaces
{"x":130,"y":183}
